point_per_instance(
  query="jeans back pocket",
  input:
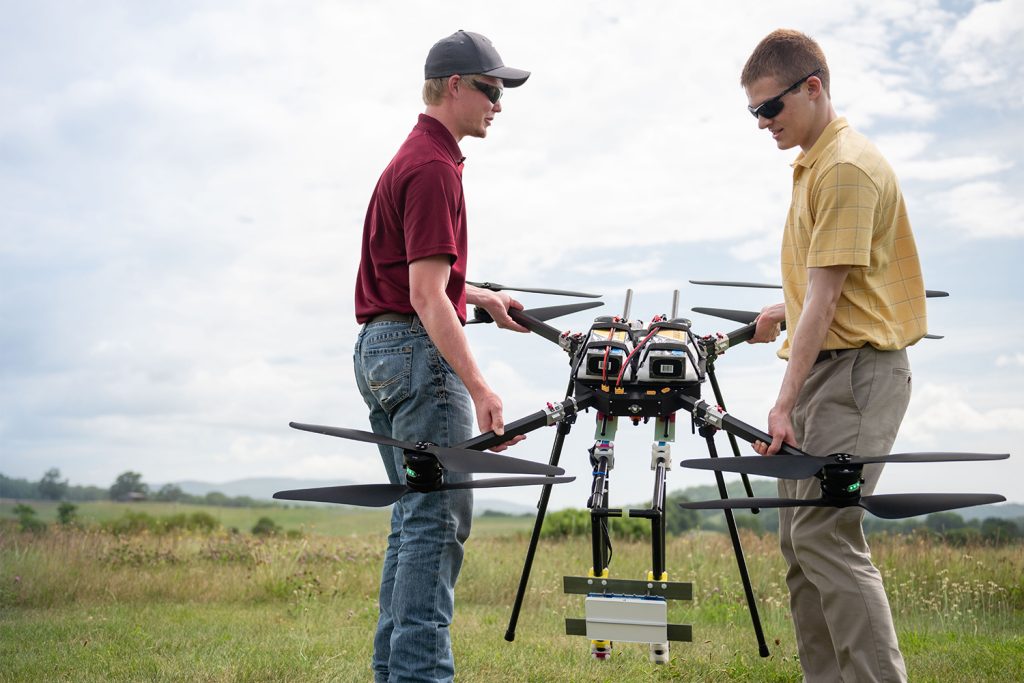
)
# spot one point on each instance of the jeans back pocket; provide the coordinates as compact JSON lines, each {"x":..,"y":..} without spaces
{"x":388,"y":374}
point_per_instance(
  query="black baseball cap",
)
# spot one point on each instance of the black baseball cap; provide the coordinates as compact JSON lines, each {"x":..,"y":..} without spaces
{"x":470,"y":53}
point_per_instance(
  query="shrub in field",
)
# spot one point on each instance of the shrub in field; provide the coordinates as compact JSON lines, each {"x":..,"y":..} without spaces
{"x":131,"y":523}
{"x":67,"y":513}
{"x":27,"y":519}
{"x":566,"y":523}
{"x":999,"y":531}
{"x":573,"y":522}
{"x":265,"y":526}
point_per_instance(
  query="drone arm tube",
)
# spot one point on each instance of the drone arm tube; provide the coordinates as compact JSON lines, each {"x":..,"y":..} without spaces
{"x":534,"y":325}
{"x":720,"y":419}
{"x":555,"y":412}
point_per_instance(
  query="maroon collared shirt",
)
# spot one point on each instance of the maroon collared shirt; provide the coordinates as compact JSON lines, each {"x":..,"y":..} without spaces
{"x":417,"y":210}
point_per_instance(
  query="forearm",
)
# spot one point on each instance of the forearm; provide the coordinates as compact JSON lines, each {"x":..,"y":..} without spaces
{"x":823,"y":289}
{"x":476,"y":296}
{"x":804,"y":348}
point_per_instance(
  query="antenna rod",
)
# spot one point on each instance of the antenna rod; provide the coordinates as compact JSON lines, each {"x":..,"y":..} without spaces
{"x":675,"y":304}
{"x":629,"y":302}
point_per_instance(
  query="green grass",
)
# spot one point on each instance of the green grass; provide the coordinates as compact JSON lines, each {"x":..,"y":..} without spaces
{"x":83,"y":605}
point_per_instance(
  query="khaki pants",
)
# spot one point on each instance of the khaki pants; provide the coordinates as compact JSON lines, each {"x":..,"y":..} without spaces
{"x":852,"y":403}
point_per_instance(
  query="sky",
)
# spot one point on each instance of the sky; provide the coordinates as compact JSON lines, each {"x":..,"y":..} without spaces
{"x":183,"y":185}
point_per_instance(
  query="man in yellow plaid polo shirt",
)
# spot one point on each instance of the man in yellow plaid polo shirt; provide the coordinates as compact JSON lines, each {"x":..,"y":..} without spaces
{"x":854,"y":300}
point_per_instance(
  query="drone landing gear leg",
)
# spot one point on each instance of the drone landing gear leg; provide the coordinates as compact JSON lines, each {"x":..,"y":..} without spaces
{"x":708,"y":432}
{"x":602,"y":458}
{"x":661,"y":462}
{"x":562,"y":428}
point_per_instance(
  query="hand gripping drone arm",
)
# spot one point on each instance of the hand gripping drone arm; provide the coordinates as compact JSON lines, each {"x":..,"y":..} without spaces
{"x":719,"y":419}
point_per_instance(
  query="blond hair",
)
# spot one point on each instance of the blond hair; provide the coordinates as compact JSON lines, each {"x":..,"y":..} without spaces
{"x":434,"y":89}
{"x":787,"y":56}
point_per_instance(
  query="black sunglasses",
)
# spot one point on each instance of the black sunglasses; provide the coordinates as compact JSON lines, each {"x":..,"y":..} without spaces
{"x":771,"y":108}
{"x":491,"y":92}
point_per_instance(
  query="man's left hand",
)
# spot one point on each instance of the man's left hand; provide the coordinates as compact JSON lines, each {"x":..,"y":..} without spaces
{"x":497,"y":305}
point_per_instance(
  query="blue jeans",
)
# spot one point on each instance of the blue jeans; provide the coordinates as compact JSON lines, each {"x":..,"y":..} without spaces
{"x":414,"y":395}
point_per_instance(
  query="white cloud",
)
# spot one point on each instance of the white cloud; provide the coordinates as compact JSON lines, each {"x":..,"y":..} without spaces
{"x":981,"y":209}
{"x":1010,"y":360}
{"x":983,"y":50}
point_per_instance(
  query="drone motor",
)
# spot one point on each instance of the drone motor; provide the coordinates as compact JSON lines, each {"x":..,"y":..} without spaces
{"x":423,"y":473}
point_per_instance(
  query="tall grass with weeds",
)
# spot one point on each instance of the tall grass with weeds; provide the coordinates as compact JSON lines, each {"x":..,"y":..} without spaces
{"x":88,"y":604}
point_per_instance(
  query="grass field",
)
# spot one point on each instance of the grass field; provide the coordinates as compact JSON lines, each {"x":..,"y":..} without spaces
{"x":83,"y":605}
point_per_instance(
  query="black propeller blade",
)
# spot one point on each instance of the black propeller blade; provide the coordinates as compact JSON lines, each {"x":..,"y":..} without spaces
{"x":745,"y":317}
{"x":803,"y":466}
{"x":454,"y":459}
{"x":748,"y":317}
{"x":929,"y":293}
{"x":901,"y":505}
{"x":379,"y":495}
{"x":495,"y":287}
{"x":546,"y":313}
{"x":886,"y":506}
{"x":726,"y":283}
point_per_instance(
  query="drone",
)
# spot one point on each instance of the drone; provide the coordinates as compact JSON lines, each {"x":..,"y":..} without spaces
{"x":627,"y":369}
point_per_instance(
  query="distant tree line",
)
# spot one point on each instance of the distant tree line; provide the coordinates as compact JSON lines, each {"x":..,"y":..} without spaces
{"x":128,"y":486}
{"x":948,"y":527}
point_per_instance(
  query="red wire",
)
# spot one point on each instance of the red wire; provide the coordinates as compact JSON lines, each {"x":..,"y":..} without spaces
{"x":654,"y":331}
{"x":607,"y":349}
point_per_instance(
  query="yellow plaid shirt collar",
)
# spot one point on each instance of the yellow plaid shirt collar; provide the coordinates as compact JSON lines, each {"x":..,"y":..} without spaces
{"x":827,"y":137}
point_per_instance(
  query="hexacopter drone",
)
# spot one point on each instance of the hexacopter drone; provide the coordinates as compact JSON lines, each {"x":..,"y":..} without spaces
{"x":624,"y":368}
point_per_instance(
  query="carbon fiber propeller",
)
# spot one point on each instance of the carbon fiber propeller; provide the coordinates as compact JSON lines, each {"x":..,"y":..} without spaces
{"x":495,"y":287}
{"x":886,"y":506}
{"x":545,"y":313}
{"x":803,"y":466}
{"x":454,"y":459}
{"x":929,"y":293}
{"x":379,"y":495}
{"x":747,"y":317}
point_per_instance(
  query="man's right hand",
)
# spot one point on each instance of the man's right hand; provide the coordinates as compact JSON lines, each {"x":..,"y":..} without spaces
{"x":489,"y":418}
{"x":768,"y":324}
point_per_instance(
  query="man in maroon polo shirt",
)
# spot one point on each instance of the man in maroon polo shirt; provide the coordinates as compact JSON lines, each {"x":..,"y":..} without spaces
{"x":412,"y":361}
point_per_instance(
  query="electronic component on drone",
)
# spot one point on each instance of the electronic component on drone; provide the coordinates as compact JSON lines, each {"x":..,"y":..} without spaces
{"x":606,"y":348}
{"x":669,"y":354}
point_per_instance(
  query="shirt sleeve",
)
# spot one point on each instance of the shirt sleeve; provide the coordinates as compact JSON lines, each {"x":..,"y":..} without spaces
{"x":431,"y":210}
{"x":845,"y":204}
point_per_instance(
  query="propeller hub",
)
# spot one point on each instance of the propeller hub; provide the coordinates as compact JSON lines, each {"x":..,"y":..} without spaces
{"x":840,"y":484}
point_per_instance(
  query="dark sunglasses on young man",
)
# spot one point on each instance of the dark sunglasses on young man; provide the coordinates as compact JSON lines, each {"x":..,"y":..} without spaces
{"x":771,"y":108}
{"x":491,"y":92}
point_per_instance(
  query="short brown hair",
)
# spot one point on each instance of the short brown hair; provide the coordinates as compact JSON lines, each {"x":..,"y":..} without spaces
{"x":787,"y":56}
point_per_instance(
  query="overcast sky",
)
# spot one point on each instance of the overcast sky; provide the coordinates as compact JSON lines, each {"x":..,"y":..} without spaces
{"x":182,"y":190}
